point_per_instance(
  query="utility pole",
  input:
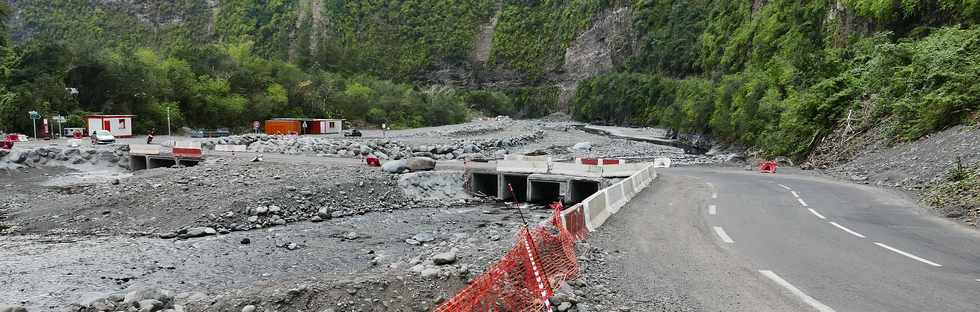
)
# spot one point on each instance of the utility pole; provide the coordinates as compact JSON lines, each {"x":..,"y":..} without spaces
{"x":168,"y":128}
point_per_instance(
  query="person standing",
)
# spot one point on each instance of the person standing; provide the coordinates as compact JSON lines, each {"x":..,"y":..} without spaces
{"x":149,"y":137}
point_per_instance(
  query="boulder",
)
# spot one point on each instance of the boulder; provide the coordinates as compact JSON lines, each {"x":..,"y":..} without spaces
{"x":150,"y":305}
{"x":582,"y":146}
{"x":395,"y":166}
{"x":165,"y":298}
{"x":12,"y":308}
{"x":444,"y":258}
{"x":197,"y":232}
{"x":420,"y":164}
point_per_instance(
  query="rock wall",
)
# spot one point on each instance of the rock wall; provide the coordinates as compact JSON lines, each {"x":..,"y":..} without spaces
{"x":65,"y":156}
{"x":599,"y":50}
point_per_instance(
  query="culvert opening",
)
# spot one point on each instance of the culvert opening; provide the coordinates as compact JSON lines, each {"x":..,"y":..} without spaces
{"x":161,"y":162}
{"x":519,"y":183}
{"x":579,"y":190}
{"x":188,"y":163}
{"x":137,"y":163}
{"x":485,"y":184}
{"x":543,"y":192}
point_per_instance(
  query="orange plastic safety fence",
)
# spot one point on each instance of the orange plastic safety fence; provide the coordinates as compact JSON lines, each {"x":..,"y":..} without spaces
{"x":510,"y":284}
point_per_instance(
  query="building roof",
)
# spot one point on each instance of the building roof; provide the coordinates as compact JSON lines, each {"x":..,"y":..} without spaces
{"x":108,"y":116}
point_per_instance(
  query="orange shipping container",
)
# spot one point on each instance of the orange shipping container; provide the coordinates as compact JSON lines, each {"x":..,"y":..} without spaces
{"x":282,"y":126}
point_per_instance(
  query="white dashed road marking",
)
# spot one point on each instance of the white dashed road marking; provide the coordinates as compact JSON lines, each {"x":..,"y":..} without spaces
{"x":817,"y":214}
{"x":712,"y":210}
{"x":724,"y":236}
{"x":796,"y":291}
{"x":785,"y":187}
{"x":801,"y":201}
{"x":908,"y":255}
{"x":714,"y":195}
{"x":847,"y":230}
{"x":795,"y":194}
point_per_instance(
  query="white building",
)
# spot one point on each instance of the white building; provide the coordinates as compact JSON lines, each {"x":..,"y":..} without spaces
{"x":121,"y":126}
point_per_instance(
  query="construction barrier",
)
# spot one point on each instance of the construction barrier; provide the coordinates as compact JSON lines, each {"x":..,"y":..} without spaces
{"x":544,"y":255}
{"x":522,"y":280}
{"x":188,"y":150}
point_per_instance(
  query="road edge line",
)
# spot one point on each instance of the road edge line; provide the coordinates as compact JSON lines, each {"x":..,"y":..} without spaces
{"x":914,"y":257}
{"x":816,"y":304}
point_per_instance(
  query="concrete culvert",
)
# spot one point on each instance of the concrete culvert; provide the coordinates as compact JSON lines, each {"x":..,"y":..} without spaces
{"x":544,"y":192}
{"x":579,"y":190}
{"x":485,"y":183}
{"x":519,"y":183}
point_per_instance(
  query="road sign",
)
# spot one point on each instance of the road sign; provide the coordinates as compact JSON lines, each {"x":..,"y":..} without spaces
{"x":59,"y":119}
{"x":34,"y":115}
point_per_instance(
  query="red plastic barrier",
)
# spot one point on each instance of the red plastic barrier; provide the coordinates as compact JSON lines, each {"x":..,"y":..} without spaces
{"x":6,"y":144}
{"x":373,"y":161}
{"x":574,"y":222}
{"x":768,"y":167}
{"x":521,"y":280}
{"x":187,"y":152}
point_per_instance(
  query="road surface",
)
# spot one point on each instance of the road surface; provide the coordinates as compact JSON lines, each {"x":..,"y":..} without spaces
{"x":733,"y":240}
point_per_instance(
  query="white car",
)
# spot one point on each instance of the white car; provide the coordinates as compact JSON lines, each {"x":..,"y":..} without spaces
{"x":102,"y":137}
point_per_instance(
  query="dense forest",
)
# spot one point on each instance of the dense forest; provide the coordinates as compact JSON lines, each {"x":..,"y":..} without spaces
{"x":780,"y":74}
{"x":775,"y":74}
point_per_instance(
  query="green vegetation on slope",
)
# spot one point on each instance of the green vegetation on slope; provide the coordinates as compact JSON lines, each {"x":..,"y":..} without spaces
{"x":781,"y":76}
{"x":243,"y":61}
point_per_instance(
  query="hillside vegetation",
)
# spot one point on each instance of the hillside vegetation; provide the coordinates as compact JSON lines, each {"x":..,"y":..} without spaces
{"x":778,"y":74}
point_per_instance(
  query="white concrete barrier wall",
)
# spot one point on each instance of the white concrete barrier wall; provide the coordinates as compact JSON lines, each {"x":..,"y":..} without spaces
{"x":522,"y":166}
{"x":576,"y":170}
{"x":230,"y":148}
{"x":144,"y":149}
{"x":596,"y":211}
{"x":629,"y":188}
{"x":606,"y":202}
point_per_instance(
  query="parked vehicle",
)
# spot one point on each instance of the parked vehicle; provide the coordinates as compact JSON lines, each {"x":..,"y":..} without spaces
{"x":352,"y":133}
{"x":102,"y":137}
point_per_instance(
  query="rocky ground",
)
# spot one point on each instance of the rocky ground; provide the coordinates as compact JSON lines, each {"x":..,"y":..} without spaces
{"x":924,"y":167}
{"x":310,"y":227}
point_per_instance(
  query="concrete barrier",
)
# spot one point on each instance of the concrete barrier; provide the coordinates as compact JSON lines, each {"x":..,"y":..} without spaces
{"x":523,"y":166}
{"x":662,"y":162}
{"x":596,"y":209}
{"x":144,"y":149}
{"x":231,"y":148}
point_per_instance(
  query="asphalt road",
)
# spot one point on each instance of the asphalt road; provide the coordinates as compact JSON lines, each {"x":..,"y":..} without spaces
{"x":733,"y":240}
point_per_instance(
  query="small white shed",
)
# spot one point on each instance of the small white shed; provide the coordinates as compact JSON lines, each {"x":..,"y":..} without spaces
{"x":121,"y":126}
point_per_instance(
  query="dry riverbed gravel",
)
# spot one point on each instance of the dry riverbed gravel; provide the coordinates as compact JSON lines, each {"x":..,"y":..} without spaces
{"x":310,"y":227}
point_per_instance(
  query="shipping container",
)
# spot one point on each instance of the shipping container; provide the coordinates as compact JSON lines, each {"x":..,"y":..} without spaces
{"x":280,"y":126}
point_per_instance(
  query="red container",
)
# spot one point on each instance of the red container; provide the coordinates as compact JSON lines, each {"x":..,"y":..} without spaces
{"x":187,"y":152}
{"x":283,"y":126}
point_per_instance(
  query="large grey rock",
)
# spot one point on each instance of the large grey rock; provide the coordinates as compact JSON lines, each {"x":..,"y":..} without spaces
{"x":12,"y":308}
{"x":444,"y":258}
{"x":395,"y":166}
{"x":197,"y":232}
{"x":582,"y":146}
{"x":150,"y":305}
{"x":424,"y":237}
{"x":135,"y":297}
{"x":411,"y":164}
